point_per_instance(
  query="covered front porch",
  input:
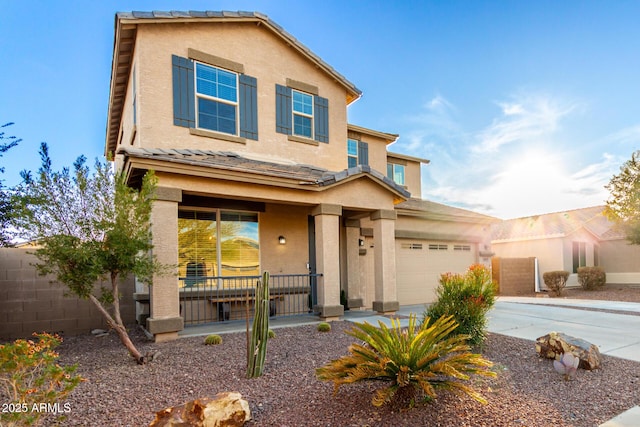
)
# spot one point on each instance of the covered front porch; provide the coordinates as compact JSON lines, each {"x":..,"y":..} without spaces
{"x":224,"y":233}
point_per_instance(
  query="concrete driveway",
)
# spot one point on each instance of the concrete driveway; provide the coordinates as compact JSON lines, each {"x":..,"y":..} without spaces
{"x":615,"y":334}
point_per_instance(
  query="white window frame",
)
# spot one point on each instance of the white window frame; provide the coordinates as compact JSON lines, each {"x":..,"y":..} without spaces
{"x":393,"y":173}
{"x":302,"y":114}
{"x":215,"y":98}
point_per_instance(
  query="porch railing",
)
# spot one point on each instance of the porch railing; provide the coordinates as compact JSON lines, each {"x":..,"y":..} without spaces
{"x":206,"y":299}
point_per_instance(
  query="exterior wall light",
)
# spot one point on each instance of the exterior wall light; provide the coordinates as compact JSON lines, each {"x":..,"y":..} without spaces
{"x":282,"y":240}
{"x":360,"y":242}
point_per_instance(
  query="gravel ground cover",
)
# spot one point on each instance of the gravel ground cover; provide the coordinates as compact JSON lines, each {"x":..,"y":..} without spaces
{"x":527,"y":392}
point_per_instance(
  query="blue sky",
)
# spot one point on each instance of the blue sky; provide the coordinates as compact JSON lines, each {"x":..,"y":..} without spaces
{"x":523,"y":107}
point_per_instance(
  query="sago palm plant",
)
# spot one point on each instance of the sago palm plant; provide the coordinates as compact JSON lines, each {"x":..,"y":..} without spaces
{"x":426,"y":357}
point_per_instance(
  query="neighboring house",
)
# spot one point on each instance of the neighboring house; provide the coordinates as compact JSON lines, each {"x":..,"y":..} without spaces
{"x":259,"y":170}
{"x":569,"y":240}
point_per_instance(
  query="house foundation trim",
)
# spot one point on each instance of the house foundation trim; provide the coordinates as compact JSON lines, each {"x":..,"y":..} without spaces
{"x":161,"y":326}
{"x":331,"y":312}
{"x":355,"y":302}
{"x":386,"y":306}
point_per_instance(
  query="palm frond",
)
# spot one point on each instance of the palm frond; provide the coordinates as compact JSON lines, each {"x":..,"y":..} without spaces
{"x":424,"y":358}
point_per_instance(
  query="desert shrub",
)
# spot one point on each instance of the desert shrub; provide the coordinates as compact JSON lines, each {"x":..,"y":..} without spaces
{"x":213,"y":339}
{"x":556,"y":281}
{"x":425,"y":358}
{"x":30,"y":376}
{"x":324,"y":327}
{"x":591,"y":278}
{"x":271,"y":334}
{"x":467,"y":297}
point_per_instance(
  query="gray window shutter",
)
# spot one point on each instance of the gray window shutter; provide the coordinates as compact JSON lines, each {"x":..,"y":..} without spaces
{"x":248,"y":107}
{"x":184,"y":113}
{"x":283,"y":109}
{"x":363,"y":153}
{"x":321,"y":117}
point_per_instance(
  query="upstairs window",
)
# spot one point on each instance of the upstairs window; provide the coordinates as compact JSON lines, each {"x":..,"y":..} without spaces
{"x":396,"y":173}
{"x":302,"y":114}
{"x":357,"y":153}
{"x":352,"y":152}
{"x":214,"y":98}
{"x":217,"y":103}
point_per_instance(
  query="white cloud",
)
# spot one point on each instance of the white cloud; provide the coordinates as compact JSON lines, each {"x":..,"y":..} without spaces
{"x":522,"y":163}
{"x":524,"y":119}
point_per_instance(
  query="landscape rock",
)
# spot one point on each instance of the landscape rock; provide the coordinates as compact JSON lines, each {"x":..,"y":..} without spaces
{"x":555,"y":344}
{"x":225,"y":409}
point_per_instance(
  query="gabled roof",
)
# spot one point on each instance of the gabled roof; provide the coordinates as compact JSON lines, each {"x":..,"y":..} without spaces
{"x":281,"y":170}
{"x":557,"y":224}
{"x":437,"y":211}
{"x":124,"y":41}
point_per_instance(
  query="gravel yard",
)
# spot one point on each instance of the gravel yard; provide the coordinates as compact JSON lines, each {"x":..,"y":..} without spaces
{"x":527,"y":392}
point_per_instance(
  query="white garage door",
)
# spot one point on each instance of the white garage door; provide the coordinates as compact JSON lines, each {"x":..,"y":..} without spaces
{"x":419,"y":264}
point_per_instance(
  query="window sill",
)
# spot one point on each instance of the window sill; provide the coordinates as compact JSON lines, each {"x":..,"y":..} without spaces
{"x":303,"y":140}
{"x":217,"y":135}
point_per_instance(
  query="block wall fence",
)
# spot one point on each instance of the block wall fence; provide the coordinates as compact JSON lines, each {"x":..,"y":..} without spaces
{"x":32,"y":303}
{"x":515,"y":276}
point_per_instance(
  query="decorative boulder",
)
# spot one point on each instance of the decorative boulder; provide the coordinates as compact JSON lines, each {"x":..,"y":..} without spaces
{"x":555,"y":344}
{"x":225,"y":409}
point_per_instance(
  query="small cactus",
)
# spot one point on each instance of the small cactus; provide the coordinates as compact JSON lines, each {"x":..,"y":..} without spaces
{"x":567,"y":365}
{"x":213,"y":340}
{"x":324,"y":327}
{"x":271,"y":334}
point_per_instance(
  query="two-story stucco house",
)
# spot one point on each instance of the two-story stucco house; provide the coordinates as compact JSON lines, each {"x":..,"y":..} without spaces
{"x":259,"y":170}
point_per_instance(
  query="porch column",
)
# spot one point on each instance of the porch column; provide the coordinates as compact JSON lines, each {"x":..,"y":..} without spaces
{"x":355,"y":291}
{"x":165,"y":320}
{"x":327,"y":224}
{"x":384,"y":242}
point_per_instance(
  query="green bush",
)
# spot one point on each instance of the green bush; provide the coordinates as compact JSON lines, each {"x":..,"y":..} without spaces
{"x":271,"y":334}
{"x":591,"y":278}
{"x":324,"y":327}
{"x":555,"y":281}
{"x":30,"y":376}
{"x":467,"y":297}
{"x":414,"y":359}
{"x":213,"y":339}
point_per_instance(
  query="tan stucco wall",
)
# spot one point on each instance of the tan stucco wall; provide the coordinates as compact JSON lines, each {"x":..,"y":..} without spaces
{"x":413,"y":179}
{"x":552,"y":253}
{"x":619,"y":256}
{"x":548,"y":251}
{"x":265,"y":57}
{"x":361,"y":193}
{"x":290,"y":222}
{"x":128,"y":131}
